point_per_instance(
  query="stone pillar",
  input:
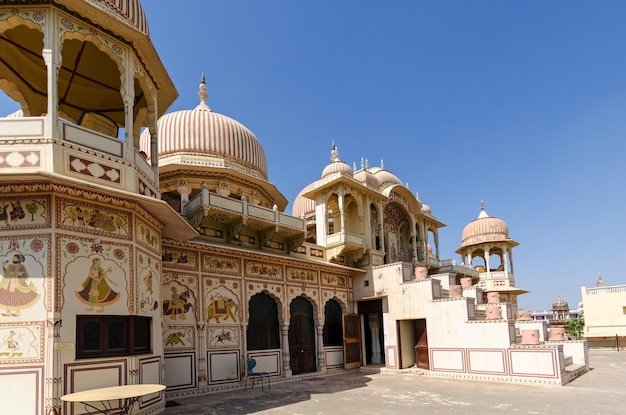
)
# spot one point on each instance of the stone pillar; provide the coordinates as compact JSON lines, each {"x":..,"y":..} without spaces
{"x":286,"y":358}
{"x":374,"y":330}
{"x":202,"y":363}
{"x":184,"y":190}
{"x":321,"y":358}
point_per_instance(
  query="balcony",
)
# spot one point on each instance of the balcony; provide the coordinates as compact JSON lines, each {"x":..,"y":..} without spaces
{"x":78,"y":152}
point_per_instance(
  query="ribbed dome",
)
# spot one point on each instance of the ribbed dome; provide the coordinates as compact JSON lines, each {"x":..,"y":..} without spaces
{"x":303,"y":205}
{"x":426,"y":209}
{"x":386,"y":178}
{"x":129,"y":11}
{"x":201,"y":137}
{"x":336,"y":165}
{"x":365,"y":176}
{"x":485,"y":228}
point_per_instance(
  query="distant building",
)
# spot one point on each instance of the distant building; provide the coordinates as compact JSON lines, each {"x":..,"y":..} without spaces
{"x":605,"y":314}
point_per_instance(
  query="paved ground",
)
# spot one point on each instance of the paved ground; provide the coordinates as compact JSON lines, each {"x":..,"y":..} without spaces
{"x":600,"y":391}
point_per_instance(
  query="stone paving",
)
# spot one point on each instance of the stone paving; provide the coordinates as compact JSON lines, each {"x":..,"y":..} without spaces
{"x":600,"y":391}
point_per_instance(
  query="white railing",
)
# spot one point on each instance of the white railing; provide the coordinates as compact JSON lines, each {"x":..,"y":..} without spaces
{"x":616,"y":289}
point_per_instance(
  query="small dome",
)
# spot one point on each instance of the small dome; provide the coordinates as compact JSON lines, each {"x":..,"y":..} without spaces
{"x":201,"y":137}
{"x":386,"y":178}
{"x":485,"y":228}
{"x":303,"y":205}
{"x":560,"y":304}
{"x":367,"y":177}
{"x":426,"y":209}
{"x":336,"y":165}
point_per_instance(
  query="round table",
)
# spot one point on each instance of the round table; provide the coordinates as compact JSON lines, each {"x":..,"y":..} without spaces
{"x":128,"y":394}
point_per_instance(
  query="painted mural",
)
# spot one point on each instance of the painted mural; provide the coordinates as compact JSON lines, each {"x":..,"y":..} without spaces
{"x":149,"y":284}
{"x":97,"y":219}
{"x":96,"y":274}
{"x":179,"y":258}
{"x":258,"y":269}
{"x":179,"y":299}
{"x":21,"y":343}
{"x":24,"y":268}
{"x":222,"y":306}
{"x":147,"y":236}
{"x":179,"y":338}
{"x":227,"y":336}
{"x":301,"y":275}
{"x":24,"y":212}
{"x":221,"y":264}
{"x":334,"y":279}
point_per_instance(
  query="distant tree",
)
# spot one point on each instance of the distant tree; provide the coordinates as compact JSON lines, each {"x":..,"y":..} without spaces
{"x":575,"y":327}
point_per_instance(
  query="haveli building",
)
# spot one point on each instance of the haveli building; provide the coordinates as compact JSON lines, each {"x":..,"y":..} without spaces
{"x":145,"y":247}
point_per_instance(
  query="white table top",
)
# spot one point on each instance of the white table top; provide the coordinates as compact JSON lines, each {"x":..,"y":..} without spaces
{"x":113,"y":393}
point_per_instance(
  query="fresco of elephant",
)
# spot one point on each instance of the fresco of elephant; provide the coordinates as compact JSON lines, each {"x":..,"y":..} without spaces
{"x":221,"y":307}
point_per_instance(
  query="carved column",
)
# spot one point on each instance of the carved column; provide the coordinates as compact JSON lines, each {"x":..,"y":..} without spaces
{"x":201,"y":349}
{"x":184,"y":190}
{"x":321,"y":357}
{"x":286,"y":356}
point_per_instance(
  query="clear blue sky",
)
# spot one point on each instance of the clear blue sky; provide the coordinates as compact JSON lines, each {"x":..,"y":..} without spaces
{"x":521,"y":104}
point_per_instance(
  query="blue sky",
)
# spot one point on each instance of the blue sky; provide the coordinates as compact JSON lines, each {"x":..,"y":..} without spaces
{"x":520,"y":104}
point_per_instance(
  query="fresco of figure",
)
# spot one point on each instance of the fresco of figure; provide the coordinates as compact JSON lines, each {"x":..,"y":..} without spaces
{"x":97,"y":289}
{"x":17,"y":291}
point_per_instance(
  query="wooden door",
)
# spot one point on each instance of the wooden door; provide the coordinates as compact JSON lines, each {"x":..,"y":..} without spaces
{"x":301,"y":337}
{"x":352,"y":341}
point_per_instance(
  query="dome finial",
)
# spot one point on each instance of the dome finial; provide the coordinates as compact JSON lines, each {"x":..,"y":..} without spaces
{"x":382,"y":164}
{"x":362,"y":164}
{"x":599,"y":282}
{"x":202,"y":93}
{"x":482,"y":205}
{"x":334,"y":153}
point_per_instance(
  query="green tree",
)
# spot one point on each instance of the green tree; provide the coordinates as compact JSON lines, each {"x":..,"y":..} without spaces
{"x":575,"y":327}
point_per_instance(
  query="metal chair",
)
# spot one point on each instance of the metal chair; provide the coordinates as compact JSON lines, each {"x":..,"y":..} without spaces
{"x":250,"y":373}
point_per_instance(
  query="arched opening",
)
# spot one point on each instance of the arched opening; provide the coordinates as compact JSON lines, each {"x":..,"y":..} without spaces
{"x":351,"y":214}
{"x":397,"y":233}
{"x":263,"y":326}
{"x":375,"y":227}
{"x":333,"y":329}
{"x":90,"y":83}
{"x":23,"y":70}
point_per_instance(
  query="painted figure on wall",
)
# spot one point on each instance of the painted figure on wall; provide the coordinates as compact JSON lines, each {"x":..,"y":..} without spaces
{"x":221,"y":307}
{"x":97,"y":289}
{"x":147,"y":298}
{"x":17,"y":291}
{"x":178,"y":306}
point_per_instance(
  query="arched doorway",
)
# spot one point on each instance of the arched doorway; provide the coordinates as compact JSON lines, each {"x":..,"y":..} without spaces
{"x":263,"y":327}
{"x":301,"y":336}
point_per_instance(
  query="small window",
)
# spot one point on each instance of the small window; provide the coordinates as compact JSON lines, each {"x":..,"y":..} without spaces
{"x":108,"y":336}
{"x":366,"y":283}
